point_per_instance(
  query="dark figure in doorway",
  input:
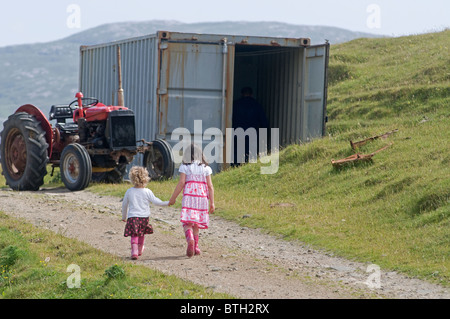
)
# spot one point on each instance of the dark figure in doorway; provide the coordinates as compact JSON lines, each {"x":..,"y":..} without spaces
{"x":247,"y":113}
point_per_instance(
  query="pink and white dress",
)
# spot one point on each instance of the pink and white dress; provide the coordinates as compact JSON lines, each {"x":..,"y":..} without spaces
{"x":195,"y":202}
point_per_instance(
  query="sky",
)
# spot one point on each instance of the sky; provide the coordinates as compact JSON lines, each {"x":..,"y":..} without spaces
{"x":30,"y":21}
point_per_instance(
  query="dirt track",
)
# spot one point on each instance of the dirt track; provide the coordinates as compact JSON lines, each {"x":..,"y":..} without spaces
{"x":242,"y":262}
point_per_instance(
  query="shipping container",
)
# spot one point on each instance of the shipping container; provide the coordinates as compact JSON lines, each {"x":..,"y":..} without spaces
{"x":171,"y":79}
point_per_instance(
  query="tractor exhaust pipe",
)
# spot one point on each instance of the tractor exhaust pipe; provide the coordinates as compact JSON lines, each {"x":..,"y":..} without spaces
{"x":79,"y":96}
{"x":119,"y":71}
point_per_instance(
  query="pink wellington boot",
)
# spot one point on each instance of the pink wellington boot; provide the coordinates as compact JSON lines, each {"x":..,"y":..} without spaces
{"x":190,"y":241}
{"x":134,"y":248}
{"x":197,"y":250}
{"x":141,"y":246}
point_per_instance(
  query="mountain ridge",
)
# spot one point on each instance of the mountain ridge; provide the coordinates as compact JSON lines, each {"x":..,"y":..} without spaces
{"x":46,"y":73}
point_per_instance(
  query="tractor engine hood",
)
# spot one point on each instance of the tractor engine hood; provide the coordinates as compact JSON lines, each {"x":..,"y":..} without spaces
{"x":97,"y":113}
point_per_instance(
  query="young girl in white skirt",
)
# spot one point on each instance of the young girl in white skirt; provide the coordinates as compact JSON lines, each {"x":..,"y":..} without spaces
{"x":198,"y":196}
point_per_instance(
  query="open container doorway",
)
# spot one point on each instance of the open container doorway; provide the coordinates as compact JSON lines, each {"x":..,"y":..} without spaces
{"x":278,"y":77}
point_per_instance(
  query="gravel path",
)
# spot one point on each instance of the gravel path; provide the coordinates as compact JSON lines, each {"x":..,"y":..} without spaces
{"x":240,"y":261}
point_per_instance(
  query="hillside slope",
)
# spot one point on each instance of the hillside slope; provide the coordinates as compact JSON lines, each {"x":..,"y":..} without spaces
{"x":383,"y":78}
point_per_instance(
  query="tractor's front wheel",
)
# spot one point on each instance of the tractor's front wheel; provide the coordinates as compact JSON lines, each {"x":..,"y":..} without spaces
{"x":24,"y":153}
{"x":75,"y":167}
{"x":159,"y":160}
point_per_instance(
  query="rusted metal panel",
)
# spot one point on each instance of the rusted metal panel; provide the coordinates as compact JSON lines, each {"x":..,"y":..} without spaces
{"x":193,"y":76}
{"x":237,"y":39}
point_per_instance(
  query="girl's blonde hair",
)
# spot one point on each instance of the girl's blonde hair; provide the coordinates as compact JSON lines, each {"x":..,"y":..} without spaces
{"x":139,"y":176}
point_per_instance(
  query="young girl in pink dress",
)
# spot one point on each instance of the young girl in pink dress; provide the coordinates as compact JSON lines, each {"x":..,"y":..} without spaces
{"x":198,"y":196}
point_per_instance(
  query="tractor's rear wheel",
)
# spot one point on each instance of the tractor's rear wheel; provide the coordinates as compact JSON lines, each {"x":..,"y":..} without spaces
{"x":159,"y":160}
{"x":24,"y":153}
{"x":75,"y":167}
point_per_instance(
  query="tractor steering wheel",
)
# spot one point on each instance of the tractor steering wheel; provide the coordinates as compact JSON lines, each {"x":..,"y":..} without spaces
{"x":91,"y":101}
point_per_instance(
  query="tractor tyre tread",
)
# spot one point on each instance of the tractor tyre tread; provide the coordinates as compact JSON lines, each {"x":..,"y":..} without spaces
{"x":36,"y":146}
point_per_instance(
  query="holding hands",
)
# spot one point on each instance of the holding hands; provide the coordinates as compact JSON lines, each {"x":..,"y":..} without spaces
{"x":212,"y":207}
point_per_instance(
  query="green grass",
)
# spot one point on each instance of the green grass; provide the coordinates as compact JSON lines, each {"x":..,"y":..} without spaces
{"x":34,"y":264}
{"x":394,"y":211}
{"x":382,"y":78}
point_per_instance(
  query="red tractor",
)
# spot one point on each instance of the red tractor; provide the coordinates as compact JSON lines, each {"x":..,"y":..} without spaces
{"x":90,"y":141}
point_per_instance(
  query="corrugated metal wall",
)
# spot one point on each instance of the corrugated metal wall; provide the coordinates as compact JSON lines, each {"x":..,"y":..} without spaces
{"x":314,"y":92}
{"x":99,"y":78}
{"x":193,"y":88}
{"x":275,"y":74}
{"x":279,"y":90}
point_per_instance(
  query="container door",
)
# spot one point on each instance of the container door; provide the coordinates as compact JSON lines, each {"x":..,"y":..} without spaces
{"x":192,"y":87}
{"x":314,"y":91}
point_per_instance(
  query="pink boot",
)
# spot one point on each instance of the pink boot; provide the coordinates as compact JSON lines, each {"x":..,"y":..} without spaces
{"x":134,"y":247}
{"x":197,"y":250}
{"x":141,"y":245}
{"x":190,"y":241}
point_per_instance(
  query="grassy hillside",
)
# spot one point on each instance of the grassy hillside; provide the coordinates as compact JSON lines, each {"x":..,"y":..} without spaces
{"x":378,"y":79}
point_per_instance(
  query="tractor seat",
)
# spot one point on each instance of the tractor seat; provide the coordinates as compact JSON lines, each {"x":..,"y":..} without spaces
{"x":60,"y":113}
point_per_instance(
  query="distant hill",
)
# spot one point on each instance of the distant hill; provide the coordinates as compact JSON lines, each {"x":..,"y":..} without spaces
{"x":47,"y":73}
{"x":318,"y":34}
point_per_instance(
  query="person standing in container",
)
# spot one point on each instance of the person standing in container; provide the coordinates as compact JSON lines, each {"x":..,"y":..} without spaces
{"x":247,"y":113}
{"x":198,"y":196}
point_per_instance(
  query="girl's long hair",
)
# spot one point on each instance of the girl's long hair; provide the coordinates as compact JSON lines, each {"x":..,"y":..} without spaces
{"x":194,"y":153}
